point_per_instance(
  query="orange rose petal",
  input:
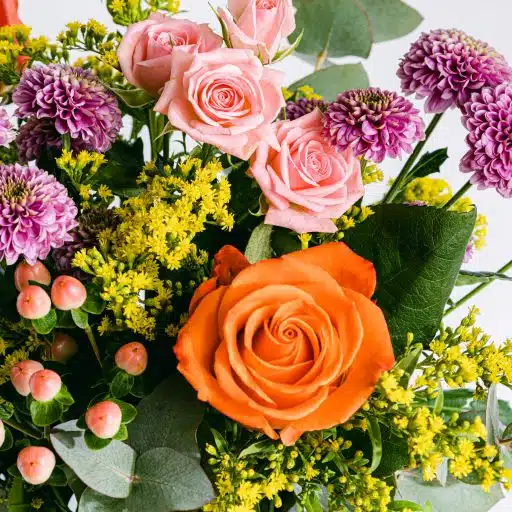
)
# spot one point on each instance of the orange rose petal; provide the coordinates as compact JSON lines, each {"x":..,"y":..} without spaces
{"x":201,"y":292}
{"x":195,"y":349}
{"x":374,"y":357}
{"x":343,"y":264}
{"x":229,"y":262}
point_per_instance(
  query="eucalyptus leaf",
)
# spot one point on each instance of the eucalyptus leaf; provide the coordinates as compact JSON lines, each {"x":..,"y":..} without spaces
{"x":46,"y":324}
{"x":92,"y":501}
{"x":417,"y":253}
{"x":467,"y":277}
{"x":108,"y":471}
{"x":259,"y":245}
{"x":333,"y":80}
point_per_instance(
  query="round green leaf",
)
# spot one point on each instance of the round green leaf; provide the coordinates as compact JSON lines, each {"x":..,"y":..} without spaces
{"x":122,"y":433}
{"x":46,"y":324}
{"x":8,"y":441}
{"x":64,"y":396}
{"x":259,"y":247}
{"x":121,"y":384}
{"x":81,"y":318}
{"x":94,"y":442}
{"x":128,"y":411}
{"x":92,"y":501}
{"x":93,"y":304}
{"x":45,"y":413}
{"x":58,"y":478}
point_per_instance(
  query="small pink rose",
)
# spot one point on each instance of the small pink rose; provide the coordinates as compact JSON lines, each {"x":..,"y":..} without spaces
{"x":259,"y":25}
{"x":226,"y":98}
{"x":146,"y":49}
{"x":307,"y":183}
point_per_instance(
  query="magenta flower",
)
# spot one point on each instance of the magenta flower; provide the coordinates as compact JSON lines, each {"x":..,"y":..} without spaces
{"x":303,"y":106}
{"x":488,"y":118}
{"x":74,"y":100}
{"x":36,"y":214}
{"x":374,"y":123}
{"x":7,"y":133}
{"x":447,"y":66}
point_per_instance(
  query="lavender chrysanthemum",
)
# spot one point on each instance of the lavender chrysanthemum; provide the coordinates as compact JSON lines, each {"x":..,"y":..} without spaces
{"x":74,"y":100}
{"x":7,"y":133}
{"x":447,"y":66}
{"x":303,"y":106}
{"x":36,"y":213}
{"x":36,"y":135}
{"x":488,"y":118}
{"x":374,"y":123}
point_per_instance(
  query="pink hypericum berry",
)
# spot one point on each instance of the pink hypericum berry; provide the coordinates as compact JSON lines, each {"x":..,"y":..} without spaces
{"x":25,"y":273}
{"x":68,"y":293}
{"x":104,"y":419}
{"x":36,"y":464}
{"x":33,"y":302}
{"x":21,"y":373}
{"x":2,"y":433}
{"x":64,"y":347}
{"x":132,"y":358}
{"x":44,"y":385}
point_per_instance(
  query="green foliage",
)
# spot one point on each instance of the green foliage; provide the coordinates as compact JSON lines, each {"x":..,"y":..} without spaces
{"x":93,"y":304}
{"x":331,"y":81}
{"x":259,"y":246}
{"x":468,"y":277}
{"x":121,"y":384}
{"x":417,"y":253}
{"x":133,"y":98}
{"x":46,"y":324}
{"x":429,"y":163}
{"x":80,"y":317}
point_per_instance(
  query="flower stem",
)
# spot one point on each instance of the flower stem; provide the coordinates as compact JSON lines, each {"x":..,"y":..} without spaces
{"x":20,"y":428}
{"x":152,"y":125}
{"x":477,"y":290}
{"x":92,"y":340}
{"x":166,"y":143}
{"x":399,"y":182}
{"x":458,"y":195}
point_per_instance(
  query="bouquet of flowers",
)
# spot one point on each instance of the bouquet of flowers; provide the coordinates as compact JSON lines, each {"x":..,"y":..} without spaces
{"x":198,"y":308}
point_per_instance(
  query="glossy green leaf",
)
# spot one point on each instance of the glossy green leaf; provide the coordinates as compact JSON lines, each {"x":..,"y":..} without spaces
{"x":259,"y":245}
{"x":417,"y":253}
{"x":121,"y":384}
{"x":468,"y":278}
{"x":58,"y":478}
{"x":81,"y":318}
{"x":64,"y":397}
{"x":408,"y":363}
{"x":429,"y":163}
{"x":128,"y":411}
{"x":93,"y":304}
{"x":94,"y":442}
{"x":331,"y":81}
{"x":122,"y":433}
{"x":46,"y":324}
{"x":8,"y":441}
{"x":376,"y":439}
{"x":6,"y":410}
{"x":395,"y":453}
{"x":258,"y":447}
{"x":45,"y":413}
{"x":133,"y":98}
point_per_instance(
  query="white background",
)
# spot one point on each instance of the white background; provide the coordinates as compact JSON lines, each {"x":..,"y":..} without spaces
{"x":489,"y":20}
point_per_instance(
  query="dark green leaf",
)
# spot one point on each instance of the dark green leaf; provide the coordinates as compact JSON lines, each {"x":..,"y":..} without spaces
{"x":93,"y":304}
{"x":108,"y":471}
{"x":376,"y":439}
{"x":390,"y":19}
{"x":258,"y":447}
{"x":168,"y":417}
{"x":64,"y":396}
{"x":58,"y":478}
{"x":331,"y":81}
{"x":8,"y":441}
{"x":395,"y":453}
{"x":94,"y":442}
{"x":417,"y":253}
{"x":6,"y":410}
{"x":339,"y":27}
{"x":46,"y":324}
{"x":408,"y":363}
{"x":17,"y":500}
{"x":64,"y":320}
{"x":133,"y":98}
{"x":121,"y":384}
{"x":259,"y":245}
{"x":122,"y":433}
{"x":285,"y":241}
{"x":467,"y":277}
{"x":76,"y":485}
{"x":128,"y":411}
{"x":81,"y":318}
{"x":429,"y":163}
{"x":45,"y":413}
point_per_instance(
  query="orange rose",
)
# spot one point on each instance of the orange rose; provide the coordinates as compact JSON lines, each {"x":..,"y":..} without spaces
{"x":291,"y":344}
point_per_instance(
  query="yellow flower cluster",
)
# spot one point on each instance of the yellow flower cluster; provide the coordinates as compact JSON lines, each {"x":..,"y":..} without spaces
{"x":105,"y":68}
{"x":371,"y":172}
{"x":305,"y":92}
{"x":353,"y":216}
{"x":80,"y":168}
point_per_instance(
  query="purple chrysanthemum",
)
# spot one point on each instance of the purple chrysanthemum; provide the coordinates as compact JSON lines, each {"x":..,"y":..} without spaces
{"x":488,"y":118}
{"x":303,"y":106}
{"x":7,"y":133}
{"x":74,"y":99}
{"x":447,"y":66}
{"x":374,"y":122}
{"x":36,"y":135}
{"x":36,"y":213}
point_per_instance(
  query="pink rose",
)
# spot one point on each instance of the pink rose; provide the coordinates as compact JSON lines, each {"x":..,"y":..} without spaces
{"x":146,"y":49}
{"x":259,"y":25}
{"x":226,"y":98}
{"x":307,"y":182}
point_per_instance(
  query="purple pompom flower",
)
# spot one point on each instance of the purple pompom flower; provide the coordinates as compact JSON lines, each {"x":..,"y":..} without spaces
{"x":447,"y":66}
{"x":303,"y":106}
{"x":488,"y":118}
{"x":36,"y":213}
{"x":74,"y":100}
{"x":7,"y":133}
{"x":374,"y":123}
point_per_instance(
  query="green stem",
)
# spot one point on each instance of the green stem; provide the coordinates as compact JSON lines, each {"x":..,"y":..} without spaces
{"x":21,"y":428}
{"x":399,"y":182}
{"x":66,"y":142}
{"x":167,"y":140}
{"x":152,"y":133}
{"x":92,"y":340}
{"x":477,"y":290}
{"x":458,"y":195}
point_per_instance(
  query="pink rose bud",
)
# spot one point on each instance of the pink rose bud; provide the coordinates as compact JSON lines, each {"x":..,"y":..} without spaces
{"x":44,"y":385}
{"x":68,"y":293}
{"x":2,"y":433}
{"x":21,"y":373}
{"x":104,"y":419}
{"x":33,"y":303}
{"x":36,"y":464}
{"x":64,"y":347}
{"x":132,"y":358}
{"x":25,"y":273}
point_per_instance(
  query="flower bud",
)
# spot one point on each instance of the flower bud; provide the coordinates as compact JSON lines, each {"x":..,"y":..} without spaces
{"x":104,"y":419}
{"x":44,"y":385}
{"x":25,"y":273}
{"x":132,"y":358}
{"x":21,"y":373}
{"x":68,"y":293}
{"x":33,"y":303}
{"x":36,"y":464}
{"x":2,"y":433}
{"x":64,"y":347}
